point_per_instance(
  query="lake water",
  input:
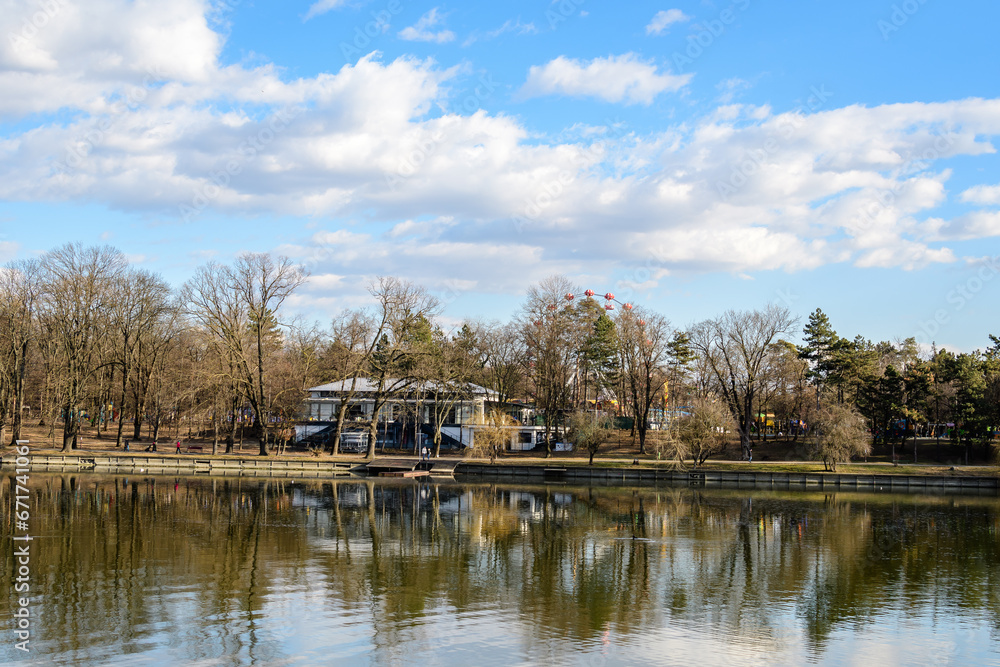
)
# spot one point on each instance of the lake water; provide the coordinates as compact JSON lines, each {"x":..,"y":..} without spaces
{"x":212,"y":571}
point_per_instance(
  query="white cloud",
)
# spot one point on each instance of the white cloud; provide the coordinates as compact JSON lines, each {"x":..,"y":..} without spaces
{"x":325,"y":281}
{"x":906,"y":255}
{"x":90,"y":52}
{"x":424,"y":228}
{"x":479,"y":197}
{"x":982,"y":194}
{"x":664,"y":19}
{"x":338,"y":237}
{"x":623,"y":78}
{"x":322,"y":7}
{"x":973,"y":225}
{"x":421,"y":30}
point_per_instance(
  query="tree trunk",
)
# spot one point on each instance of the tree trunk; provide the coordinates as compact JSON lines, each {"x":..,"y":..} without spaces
{"x":373,"y":429}
{"x":99,"y":412}
{"x":121,"y":410}
{"x":15,"y":426}
{"x":18,"y":387}
{"x":69,"y":430}
{"x":372,"y":435}
{"x":140,"y":406}
{"x":339,"y":429}
{"x":745,"y":441}
{"x":642,"y":427}
{"x":215,"y":431}
{"x":261,"y":432}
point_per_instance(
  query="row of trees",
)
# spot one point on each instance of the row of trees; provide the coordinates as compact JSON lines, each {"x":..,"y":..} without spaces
{"x":86,"y":336}
{"x":900,"y":393}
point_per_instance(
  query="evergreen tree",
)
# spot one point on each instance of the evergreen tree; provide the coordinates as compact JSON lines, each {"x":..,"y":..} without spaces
{"x":825,"y":351}
{"x":598,"y":355}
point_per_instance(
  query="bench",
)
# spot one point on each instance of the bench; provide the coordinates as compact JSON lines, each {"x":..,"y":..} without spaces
{"x":193,"y":448}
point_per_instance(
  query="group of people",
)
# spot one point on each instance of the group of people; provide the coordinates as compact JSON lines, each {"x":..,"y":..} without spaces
{"x":151,"y":447}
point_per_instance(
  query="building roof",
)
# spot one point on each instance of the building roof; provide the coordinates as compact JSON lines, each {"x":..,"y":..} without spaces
{"x":365,"y":385}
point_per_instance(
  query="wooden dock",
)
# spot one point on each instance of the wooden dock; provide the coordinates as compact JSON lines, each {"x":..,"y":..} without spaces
{"x":380,"y":467}
{"x":444,"y":467}
{"x":412,"y":467}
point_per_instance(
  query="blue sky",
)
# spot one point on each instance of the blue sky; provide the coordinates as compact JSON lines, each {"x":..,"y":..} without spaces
{"x":690,"y":156}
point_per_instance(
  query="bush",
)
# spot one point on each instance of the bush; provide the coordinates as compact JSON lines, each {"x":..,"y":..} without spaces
{"x":703,"y":433}
{"x":492,"y":438}
{"x":839,"y":432}
{"x":587,"y":432}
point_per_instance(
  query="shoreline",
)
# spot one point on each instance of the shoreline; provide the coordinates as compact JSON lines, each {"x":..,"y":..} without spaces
{"x":786,"y":474}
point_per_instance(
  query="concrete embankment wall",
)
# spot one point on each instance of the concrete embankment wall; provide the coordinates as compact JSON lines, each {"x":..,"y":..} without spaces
{"x":638,"y":476}
{"x":187,"y":464}
{"x":646,"y":476}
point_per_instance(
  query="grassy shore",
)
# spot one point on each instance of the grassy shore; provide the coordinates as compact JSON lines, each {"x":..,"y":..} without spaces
{"x":617,"y":453}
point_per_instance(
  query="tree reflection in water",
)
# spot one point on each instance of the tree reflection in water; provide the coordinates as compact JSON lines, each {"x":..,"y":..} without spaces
{"x":251,"y":571}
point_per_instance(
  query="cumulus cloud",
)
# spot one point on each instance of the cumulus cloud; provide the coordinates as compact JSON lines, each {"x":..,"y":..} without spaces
{"x":422,"y":30}
{"x":87,"y":55}
{"x":974,"y":225}
{"x":664,"y":19}
{"x":623,"y":78}
{"x":982,"y":194}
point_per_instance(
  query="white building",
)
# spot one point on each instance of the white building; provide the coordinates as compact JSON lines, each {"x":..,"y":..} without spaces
{"x":407,"y":418}
{"x":416,"y":400}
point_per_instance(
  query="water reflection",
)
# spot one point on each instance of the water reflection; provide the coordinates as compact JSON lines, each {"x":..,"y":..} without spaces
{"x":154,"y":570}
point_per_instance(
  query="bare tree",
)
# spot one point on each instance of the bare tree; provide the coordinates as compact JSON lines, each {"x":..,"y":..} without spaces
{"x":20,"y":292}
{"x":644,"y":341}
{"x":152,"y":347}
{"x":142,"y":300}
{"x":791,"y":380}
{"x":449,"y":366}
{"x":354,"y":336}
{"x":294,"y":370}
{"x":735,"y":348}
{"x":239,"y":306}
{"x":553,"y":338}
{"x":78,"y":291}
{"x":402,"y":336}
{"x":502,"y":354}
